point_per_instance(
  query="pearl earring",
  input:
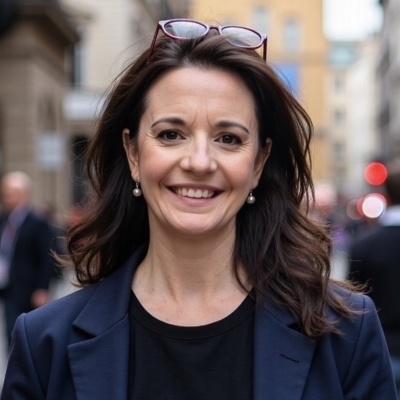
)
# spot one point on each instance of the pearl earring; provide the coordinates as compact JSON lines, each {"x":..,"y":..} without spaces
{"x":137,"y":192}
{"x":250,"y":198}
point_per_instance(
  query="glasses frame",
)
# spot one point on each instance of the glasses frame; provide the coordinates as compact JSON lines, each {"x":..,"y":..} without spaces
{"x":161,"y":25}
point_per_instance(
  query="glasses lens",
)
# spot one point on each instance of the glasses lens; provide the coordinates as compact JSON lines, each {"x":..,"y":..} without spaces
{"x":242,"y":37}
{"x":185,"y":29}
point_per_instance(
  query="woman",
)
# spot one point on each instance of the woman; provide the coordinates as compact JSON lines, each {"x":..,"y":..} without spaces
{"x":210,"y":282}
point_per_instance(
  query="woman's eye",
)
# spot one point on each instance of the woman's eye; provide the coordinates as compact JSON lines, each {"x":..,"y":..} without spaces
{"x":169,"y":135}
{"x":229,"y":139}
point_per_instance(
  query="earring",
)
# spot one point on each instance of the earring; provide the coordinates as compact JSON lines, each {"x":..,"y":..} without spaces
{"x":250,"y":198}
{"x":137,"y":192}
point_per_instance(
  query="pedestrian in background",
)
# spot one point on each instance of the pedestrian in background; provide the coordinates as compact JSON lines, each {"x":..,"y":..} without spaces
{"x":375,"y":262}
{"x":25,"y":239}
{"x":203,"y":276}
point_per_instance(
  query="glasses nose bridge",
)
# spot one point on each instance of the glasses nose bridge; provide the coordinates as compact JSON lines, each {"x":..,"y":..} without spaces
{"x":215,"y":27}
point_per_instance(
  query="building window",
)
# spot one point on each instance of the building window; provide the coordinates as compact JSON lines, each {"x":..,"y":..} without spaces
{"x":339,"y":84}
{"x":339,"y":116}
{"x":291,"y":35}
{"x":259,"y":19}
{"x":79,"y":61}
{"x":339,"y":152}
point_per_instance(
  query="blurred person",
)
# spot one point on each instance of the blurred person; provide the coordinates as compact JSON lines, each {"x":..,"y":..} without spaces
{"x":375,"y":262}
{"x":202,"y":275}
{"x":25,"y":243}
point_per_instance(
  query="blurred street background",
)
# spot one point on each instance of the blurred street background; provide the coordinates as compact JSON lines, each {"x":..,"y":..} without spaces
{"x":341,"y":58}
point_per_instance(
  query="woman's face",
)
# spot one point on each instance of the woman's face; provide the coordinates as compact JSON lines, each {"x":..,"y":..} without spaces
{"x":196,"y":155}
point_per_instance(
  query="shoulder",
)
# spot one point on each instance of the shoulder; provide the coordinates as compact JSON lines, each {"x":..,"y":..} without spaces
{"x":54,"y":323}
{"x":361,"y":306}
{"x":359,"y":333}
{"x":357,"y":302}
{"x":59,"y":313}
{"x":360,"y":351}
{"x":34,"y":219}
{"x":101,"y":303}
{"x":372,"y":242}
{"x":50,"y":329}
{"x":368,"y":234}
{"x":371,"y":236}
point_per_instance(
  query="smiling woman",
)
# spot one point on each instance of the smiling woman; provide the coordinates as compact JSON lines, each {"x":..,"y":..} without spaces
{"x":196,"y":155}
{"x":203,"y":275}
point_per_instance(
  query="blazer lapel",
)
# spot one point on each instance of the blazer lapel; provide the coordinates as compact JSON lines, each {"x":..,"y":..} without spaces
{"x":100,"y":361}
{"x":282,"y":356}
{"x":100,"y":366}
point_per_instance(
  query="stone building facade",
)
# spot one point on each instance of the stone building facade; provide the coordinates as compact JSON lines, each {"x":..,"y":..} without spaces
{"x":34,"y":78}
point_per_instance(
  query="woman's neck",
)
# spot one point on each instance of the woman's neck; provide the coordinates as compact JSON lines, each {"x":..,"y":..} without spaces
{"x":190,"y":281}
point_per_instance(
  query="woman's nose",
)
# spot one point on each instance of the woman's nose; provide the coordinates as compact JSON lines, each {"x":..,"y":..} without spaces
{"x":200,"y":158}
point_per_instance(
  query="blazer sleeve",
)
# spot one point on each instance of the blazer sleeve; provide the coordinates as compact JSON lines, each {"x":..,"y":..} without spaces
{"x":21,"y":381}
{"x":369,"y":375}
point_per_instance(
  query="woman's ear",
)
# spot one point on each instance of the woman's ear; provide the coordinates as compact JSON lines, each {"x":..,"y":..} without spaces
{"x":262,"y":158}
{"x":132,"y":155}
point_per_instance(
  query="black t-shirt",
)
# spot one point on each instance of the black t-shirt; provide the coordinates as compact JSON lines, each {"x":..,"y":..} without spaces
{"x":208,"y":362}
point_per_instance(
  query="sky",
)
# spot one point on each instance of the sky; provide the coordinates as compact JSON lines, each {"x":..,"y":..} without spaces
{"x":351,"y":19}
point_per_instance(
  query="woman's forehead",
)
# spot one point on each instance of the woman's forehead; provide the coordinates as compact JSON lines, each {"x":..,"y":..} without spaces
{"x":195,"y":89}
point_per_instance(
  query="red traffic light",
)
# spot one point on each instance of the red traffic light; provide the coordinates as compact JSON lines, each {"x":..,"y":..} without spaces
{"x":375,"y":173}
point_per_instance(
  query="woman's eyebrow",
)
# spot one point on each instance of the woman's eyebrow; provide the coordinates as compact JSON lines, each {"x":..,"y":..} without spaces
{"x":228,"y":124}
{"x":171,"y":120}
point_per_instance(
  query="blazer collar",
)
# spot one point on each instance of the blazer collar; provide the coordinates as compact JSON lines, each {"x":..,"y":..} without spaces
{"x":282,"y":355}
{"x":110,"y":300}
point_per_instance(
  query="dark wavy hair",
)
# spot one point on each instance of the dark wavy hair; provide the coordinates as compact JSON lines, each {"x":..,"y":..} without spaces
{"x":285,"y":254}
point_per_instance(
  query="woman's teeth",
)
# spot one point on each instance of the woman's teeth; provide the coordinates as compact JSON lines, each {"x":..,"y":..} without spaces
{"x":194,"y":193}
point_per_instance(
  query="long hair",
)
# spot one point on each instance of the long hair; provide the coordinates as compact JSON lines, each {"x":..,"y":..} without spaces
{"x":284,"y":253}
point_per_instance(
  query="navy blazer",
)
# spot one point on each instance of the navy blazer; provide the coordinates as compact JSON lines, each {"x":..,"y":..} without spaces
{"x":77,"y":348}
